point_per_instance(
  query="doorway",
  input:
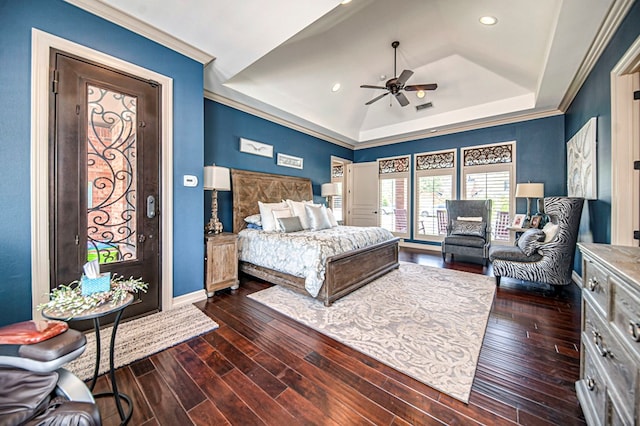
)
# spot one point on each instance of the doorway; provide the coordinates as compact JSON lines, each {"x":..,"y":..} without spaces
{"x":104,"y":175}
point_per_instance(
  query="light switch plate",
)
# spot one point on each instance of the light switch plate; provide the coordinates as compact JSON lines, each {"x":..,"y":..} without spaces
{"x":190,"y":180}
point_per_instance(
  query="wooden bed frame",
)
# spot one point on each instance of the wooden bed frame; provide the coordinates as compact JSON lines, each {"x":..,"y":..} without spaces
{"x":345,"y":272}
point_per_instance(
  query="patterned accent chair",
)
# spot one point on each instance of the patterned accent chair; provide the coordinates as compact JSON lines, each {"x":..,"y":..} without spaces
{"x":464,"y":237}
{"x":551,"y":262}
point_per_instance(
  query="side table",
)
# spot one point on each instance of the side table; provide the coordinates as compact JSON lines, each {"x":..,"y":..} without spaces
{"x":221,"y":263}
{"x":95,"y":314}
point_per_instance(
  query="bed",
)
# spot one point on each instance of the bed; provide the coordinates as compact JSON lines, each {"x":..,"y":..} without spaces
{"x":343,"y":273}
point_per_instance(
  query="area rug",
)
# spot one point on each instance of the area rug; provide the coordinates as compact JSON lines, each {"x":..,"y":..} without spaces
{"x":426,"y":322}
{"x":142,"y":337}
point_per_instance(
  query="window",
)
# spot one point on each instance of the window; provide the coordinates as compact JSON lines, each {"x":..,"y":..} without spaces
{"x":337,"y":177}
{"x":488,"y":172}
{"x":435,"y":182}
{"x":394,"y":196}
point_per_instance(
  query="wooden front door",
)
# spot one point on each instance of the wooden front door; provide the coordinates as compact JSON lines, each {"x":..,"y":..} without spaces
{"x":105,"y":177}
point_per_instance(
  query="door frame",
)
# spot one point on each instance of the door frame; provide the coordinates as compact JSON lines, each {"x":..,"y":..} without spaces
{"x":625,"y":143}
{"x":41,"y":43}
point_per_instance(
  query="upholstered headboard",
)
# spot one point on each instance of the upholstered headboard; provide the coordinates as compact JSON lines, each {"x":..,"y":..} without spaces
{"x":250,"y":187}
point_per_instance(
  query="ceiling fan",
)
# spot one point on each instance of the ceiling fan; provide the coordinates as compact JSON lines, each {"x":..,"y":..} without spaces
{"x":396,"y":85}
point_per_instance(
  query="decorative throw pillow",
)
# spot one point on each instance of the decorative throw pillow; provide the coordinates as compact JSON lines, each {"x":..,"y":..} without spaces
{"x":332,"y":218}
{"x":470,"y":218}
{"x":470,"y":228}
{"x":280,"y":213}
{"x":550,"y":230}
{"x":290,"y":224}
{"x":268,"y":221}
{"x":318,"y":218}
{"x":254,"y":219}
{"x":530,"y":241}
{"x":254,"y":226}
{"x":297,"y":209}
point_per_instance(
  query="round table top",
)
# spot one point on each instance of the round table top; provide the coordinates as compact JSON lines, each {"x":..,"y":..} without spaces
{"x":99,"y":311}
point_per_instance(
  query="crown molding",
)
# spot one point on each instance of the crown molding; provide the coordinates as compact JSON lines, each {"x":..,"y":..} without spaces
{"x":137,"y":26}
{"x":616,"y":15}
{"x":461,"y":128}
{"x":270,"y":117}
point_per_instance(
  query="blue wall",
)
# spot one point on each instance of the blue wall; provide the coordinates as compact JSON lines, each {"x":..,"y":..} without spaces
{"x":540,"y":151}
{"x":66,"y":21}
{"x":224,"y":126}
{"x":594,"y":100}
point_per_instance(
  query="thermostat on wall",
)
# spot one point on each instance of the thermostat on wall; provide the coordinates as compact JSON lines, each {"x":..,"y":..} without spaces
{"x":190,"y":180}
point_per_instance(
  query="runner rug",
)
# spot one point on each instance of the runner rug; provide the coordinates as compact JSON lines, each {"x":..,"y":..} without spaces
{"x":142,"y":337}
{"x":426,"y":322}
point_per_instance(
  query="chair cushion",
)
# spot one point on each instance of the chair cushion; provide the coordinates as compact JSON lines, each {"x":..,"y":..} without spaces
{"x":511,"y":254}
{"x":467,"y":227}
{"x":464,"y":240}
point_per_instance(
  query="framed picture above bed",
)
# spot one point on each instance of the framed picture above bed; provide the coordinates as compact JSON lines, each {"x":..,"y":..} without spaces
{"x":290,"y":161}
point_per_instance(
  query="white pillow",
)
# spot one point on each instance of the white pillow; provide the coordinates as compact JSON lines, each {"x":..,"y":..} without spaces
{"x":268,"y":221}
{"x":254,"y":219}
{"x":297,"y":209}
{"x":318,"y":218}
{"x":280,"y":213}
{"x":471,"y":218}
{"x":550,"y":231}
{"x":332,"y":218}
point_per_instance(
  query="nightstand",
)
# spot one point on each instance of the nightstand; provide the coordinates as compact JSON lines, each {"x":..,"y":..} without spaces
{"x":221,"y":262}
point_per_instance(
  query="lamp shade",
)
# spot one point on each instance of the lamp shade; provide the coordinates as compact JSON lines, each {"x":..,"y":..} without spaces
{"x":329,"y":189}
{"x":216,"y":177}
{"x":530,"y":190}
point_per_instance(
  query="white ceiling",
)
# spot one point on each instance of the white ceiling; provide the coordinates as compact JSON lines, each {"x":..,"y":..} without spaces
{"x":281,"y":58}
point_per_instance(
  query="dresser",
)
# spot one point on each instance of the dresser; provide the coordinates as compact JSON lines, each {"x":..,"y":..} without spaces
{"x":609,"y":386}
{"x":221,"y":262}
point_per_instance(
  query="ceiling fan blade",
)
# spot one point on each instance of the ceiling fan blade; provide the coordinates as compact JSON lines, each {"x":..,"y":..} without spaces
{"x":368,"y":86}
{"x":377,"y":98}
{"x":416,"y":87}
{"x":406,"y":74}
{"x":402,"y":99}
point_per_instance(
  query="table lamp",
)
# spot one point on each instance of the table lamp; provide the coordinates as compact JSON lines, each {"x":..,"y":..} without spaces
{"x":529,"y":191}
{"x":216,"y":179}
{"x":328,"y":190}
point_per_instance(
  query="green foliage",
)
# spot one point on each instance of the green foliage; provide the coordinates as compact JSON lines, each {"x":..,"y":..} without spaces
{"x":67,"y":300}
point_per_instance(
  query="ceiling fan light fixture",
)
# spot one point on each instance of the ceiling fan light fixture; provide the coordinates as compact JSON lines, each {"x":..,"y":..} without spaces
{"x":335,"y":87}
{"x":488,"y":20}
{"x":420,"y":94}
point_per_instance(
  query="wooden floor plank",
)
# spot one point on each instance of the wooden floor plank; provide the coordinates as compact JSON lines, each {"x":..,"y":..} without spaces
{"x":261,"y":367}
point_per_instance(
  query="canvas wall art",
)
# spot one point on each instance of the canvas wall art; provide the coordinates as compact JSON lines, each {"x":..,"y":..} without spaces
{"x":581,"y":162}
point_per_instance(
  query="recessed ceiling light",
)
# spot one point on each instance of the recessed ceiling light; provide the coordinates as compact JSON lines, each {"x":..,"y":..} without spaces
{"x":420,"y":94}
{"x":488,"y":20}
{"x":345,"y":1}
{"x":335,"y":87}
{"x":383,"y":77}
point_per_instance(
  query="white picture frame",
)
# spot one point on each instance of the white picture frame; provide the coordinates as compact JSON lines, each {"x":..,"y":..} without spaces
{"x":582,"y":168}
{"x":290,"y":161}
{"x":256,"y":148}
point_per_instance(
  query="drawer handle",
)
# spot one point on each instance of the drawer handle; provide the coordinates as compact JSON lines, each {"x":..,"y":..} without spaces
{"x":634,"y":330}
{"x":593,"y":284}
{"x":591,"y":383}
{"x":597,"y":340}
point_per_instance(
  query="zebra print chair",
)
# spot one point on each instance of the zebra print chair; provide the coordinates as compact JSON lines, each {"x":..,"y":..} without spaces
{"x":551,"y":262}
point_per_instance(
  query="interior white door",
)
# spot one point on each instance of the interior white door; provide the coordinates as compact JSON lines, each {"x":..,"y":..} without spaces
{"x":363,"y":194}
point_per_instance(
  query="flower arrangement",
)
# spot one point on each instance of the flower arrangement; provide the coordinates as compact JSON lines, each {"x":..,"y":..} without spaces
{"x":69,"y":300}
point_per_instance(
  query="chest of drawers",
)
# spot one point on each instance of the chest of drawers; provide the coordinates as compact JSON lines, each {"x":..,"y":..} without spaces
{"x":609,"y":385}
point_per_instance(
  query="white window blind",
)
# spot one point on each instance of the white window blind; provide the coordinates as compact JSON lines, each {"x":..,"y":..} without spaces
{"x":435,"y":174}
{"x":394,"y":194}
{"x":488,"y":173}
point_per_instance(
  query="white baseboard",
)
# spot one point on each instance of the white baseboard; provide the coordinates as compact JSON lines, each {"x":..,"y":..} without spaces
{"x":189,"y":298}
{"x":428,"y":247}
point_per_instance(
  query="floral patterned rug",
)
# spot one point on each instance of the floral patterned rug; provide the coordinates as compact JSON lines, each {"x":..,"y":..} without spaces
{"x":426,"y":322}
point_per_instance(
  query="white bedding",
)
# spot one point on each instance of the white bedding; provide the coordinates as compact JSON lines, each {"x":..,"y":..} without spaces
{"x":304,"y":253}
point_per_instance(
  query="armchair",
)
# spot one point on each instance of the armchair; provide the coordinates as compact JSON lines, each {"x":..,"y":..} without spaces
{"x":548,"y":262}
{"x":470,"y":238}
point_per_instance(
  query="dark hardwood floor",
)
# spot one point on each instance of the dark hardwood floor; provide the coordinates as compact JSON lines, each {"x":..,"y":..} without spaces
{"x":260,"y":367}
